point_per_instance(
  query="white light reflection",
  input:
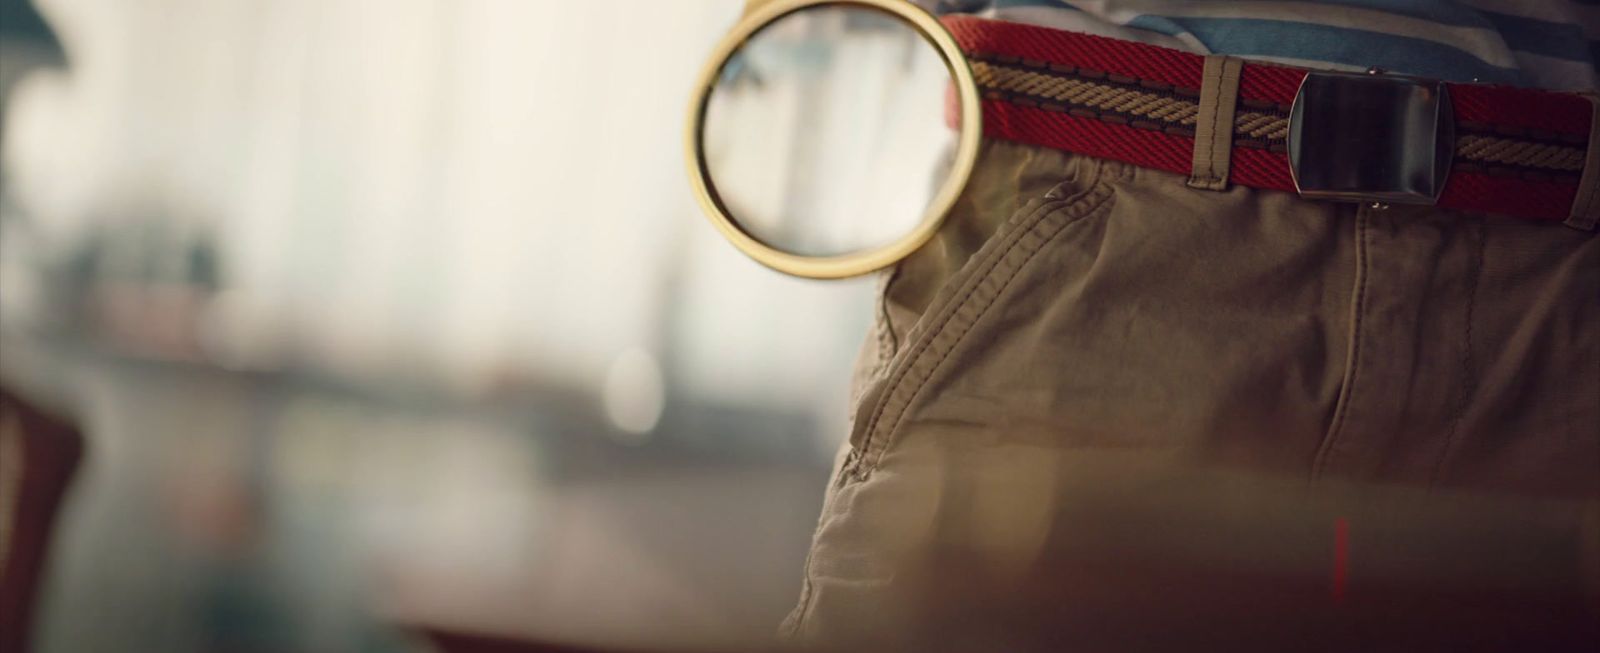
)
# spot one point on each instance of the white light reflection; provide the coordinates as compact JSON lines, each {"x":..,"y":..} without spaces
{"x":634,"y":395}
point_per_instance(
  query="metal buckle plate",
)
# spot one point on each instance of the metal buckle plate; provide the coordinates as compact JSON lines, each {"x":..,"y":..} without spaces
{"x":1370,"y":138}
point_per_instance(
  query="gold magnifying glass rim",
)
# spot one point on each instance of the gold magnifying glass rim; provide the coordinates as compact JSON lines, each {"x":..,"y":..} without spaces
{"x":761,"y":14}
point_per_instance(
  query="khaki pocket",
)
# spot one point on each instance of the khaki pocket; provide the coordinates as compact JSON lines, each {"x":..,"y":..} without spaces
{"x":961,"y":298}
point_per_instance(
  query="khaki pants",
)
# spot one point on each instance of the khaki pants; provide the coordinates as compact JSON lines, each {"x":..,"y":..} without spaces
{"x":1073,"y":312}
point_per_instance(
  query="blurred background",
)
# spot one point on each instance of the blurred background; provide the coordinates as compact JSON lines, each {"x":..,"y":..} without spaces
{"x":385,"y":316}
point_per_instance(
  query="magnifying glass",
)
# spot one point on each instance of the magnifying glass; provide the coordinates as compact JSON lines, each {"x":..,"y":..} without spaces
{"x":828,"y":138}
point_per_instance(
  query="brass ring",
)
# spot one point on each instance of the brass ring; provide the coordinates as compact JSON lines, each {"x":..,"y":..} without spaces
{"x":761,"y":14}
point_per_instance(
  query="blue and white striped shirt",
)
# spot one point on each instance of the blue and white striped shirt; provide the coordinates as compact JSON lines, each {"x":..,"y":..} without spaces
{"x":1548,"y":44}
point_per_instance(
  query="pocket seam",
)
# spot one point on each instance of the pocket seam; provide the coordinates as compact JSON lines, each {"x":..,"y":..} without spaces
{"x":873,"y":444}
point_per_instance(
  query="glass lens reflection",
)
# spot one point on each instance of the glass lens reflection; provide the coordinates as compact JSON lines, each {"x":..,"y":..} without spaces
{"x":829,"y":131}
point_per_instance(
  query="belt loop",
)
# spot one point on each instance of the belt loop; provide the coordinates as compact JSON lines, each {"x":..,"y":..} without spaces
{"x":1213,"y":127}
{"x":1586,"y":207}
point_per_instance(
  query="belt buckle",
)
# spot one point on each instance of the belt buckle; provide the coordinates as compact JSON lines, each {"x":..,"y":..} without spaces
{"x":1370,"y":138}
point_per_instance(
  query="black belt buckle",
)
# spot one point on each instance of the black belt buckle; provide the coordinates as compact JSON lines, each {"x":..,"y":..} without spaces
{"x":1370,"y":138}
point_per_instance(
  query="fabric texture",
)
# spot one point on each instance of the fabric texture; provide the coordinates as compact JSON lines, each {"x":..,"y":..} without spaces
{"x":1073,"y":310}
{"x":1548,"y":44}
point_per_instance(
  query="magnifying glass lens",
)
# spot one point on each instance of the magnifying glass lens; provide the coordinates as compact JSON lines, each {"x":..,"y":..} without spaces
{"x":828,"y":132}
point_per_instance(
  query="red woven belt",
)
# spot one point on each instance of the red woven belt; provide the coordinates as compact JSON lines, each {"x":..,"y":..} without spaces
{"x":1519,"y":152}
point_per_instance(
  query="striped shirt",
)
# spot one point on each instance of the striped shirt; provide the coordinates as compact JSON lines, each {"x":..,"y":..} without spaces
{"x":1551,"y":44}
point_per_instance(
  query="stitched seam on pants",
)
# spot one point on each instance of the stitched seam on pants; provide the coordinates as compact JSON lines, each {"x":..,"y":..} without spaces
{"x":1469,"y":373}
{"x":955,"y":340}
{"x":1211,"y":174}
{"x":946,"y":313}
{"x":1353,"y":367}
{"x":1084,"y":205}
